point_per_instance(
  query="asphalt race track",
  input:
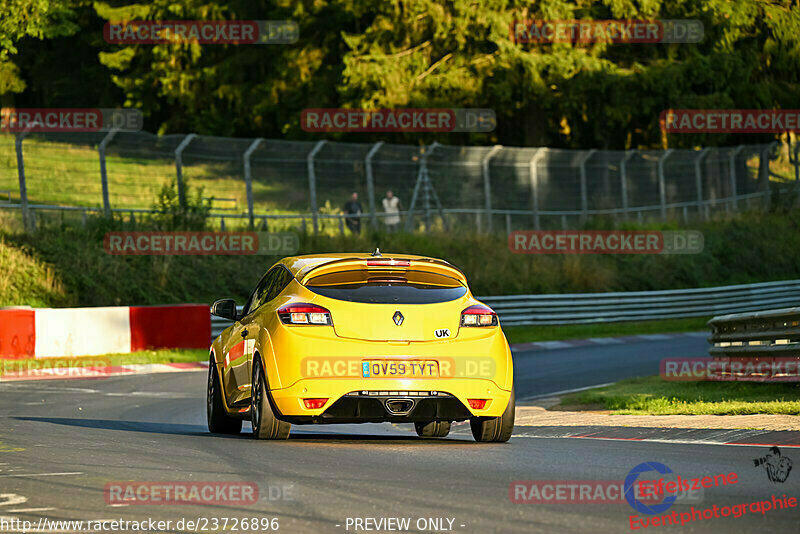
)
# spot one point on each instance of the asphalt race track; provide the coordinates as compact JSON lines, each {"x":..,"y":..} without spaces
{"x":62,"y":442}
{"x":538,"y":372}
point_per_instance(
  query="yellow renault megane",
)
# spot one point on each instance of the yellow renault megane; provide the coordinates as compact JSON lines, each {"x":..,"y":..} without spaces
{"x":356,"y":338}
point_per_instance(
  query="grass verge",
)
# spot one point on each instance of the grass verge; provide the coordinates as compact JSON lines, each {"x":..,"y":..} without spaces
{"x":528,"y":334}
{"x":654,"y":396}
{"x":66,"y":265}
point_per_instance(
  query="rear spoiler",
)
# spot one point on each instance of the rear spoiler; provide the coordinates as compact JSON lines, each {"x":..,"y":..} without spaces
{"x":384,"y":263}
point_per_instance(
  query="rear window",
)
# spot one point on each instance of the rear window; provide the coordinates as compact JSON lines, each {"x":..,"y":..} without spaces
{"x":387,"y":287}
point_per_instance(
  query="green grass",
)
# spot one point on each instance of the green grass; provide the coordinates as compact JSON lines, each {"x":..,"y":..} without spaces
{"x":134,"y":180}
{"x":527,"y":334}
{"x":141,"y":357}
{"x":654,"y":396}
{"x":64,"y":264}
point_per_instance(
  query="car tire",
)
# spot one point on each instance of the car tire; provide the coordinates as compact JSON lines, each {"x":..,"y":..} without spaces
{"x":495,"y":429}
{"x":265,"y":424}
{"x":433,"y":429}
{"x":219,"y":422}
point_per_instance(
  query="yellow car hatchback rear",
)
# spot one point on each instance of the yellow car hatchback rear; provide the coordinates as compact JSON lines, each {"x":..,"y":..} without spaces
{"x":352,"y":338}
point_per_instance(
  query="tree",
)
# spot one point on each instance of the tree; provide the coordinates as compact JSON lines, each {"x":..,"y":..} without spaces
{"x":39,"y":19}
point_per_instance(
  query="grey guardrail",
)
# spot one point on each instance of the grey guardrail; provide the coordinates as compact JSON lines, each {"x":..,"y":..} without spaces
{"x":585,"y":308}
{"x":767,"y":333}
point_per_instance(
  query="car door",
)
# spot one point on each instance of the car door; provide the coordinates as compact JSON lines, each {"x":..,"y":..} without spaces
{"x":258,"y":320}
{"x":279,"y":283}
{"x":239,"y":346}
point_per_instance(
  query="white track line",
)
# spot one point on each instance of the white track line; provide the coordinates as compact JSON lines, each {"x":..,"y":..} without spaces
{"x":565,"y":391}
{"x":658,"y":440}
{"x":24,"y":510}
{"x":42,"y":475}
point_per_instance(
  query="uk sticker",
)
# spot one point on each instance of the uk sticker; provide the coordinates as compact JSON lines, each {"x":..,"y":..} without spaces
{"x":442,"y":332}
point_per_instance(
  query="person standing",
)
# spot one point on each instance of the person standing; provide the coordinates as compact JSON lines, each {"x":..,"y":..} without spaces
{"x":391,"y":205}
{"x":353,"y":210}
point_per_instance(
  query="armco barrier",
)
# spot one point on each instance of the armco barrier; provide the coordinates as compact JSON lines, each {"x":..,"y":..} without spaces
{"x":63,"y":332}
{"x":584,"y":308}
{"x":759,"y":334}
{"x":766,"y":337}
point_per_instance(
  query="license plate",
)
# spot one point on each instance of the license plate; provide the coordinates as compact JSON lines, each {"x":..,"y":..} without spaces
{"x":400,"y":369}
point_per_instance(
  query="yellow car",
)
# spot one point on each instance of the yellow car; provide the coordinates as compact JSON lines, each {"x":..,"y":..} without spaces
{"x":356,"y":338}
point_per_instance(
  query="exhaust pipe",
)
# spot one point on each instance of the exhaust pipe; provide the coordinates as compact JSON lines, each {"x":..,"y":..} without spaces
{"x":399,"y":406}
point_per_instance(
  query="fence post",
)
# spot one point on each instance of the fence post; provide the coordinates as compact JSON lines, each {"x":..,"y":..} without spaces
{"x":487,"y":189}
{"x":101,"y":151}
{"x":312,"y":183}
{"x":248,"y":180}
{"x":371,"y":184}
{"x":584,"y":188}
{"x":179,"y":168}
{"x":23,"y":189}
{"x":796,"y":163}
{"x":623,"y":177}
{"x":732,"y":173}
{"x":534,"y":175}
{"x":662,"y":187}
{"x":698,"y":179}
{"x":763,"y":161}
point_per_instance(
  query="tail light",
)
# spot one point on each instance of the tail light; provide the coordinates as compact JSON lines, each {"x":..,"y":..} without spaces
{"x":477,"y":404}
{"x":310,"y":314}
{"x":478,"y":315}
{"x":314,"y":404}
{"x":388,"y":263}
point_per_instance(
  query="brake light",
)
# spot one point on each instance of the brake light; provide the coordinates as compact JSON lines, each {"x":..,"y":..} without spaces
{"x":310,"y":314}
{"x":478,"y":315}
{"x":387,"y":280}
{"x":388,"y":263}
{"x":314,"y":404}
{"x":477,"y":404}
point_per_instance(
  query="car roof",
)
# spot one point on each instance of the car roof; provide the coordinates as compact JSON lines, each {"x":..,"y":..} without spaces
{"x":300,"y":266}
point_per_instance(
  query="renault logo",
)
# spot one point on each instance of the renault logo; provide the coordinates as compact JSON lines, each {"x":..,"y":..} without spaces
{"x":397,"y":318}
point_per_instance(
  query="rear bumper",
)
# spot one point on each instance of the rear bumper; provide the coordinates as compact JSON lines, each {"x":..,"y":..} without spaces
{"x":373,"y":409}
{"x":298,"y":355}
{"x":364,"y":401}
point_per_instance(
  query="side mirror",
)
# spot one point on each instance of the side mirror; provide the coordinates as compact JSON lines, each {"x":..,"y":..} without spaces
{"x":225,"y":308}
